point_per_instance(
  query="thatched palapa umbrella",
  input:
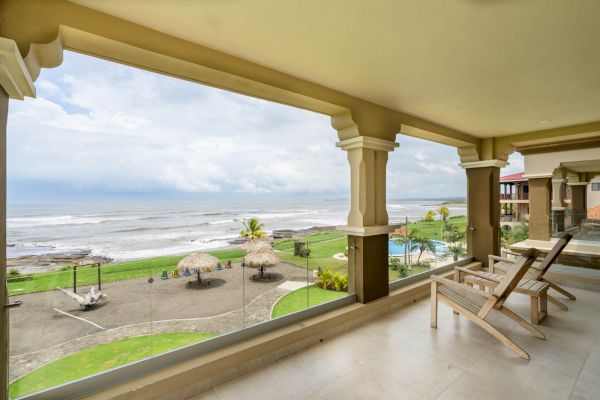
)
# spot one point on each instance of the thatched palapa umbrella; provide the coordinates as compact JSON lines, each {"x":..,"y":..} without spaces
{"x":255,"y":245}
{"x":198,"y":261}
{"x":262,"y":259}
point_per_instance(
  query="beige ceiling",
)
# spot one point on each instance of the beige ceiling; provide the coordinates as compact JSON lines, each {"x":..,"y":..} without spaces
{"x":484,"y":67}
{"x":582,"y":166}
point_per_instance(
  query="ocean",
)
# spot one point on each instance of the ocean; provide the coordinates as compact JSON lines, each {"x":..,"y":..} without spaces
{"x":134,"y":231}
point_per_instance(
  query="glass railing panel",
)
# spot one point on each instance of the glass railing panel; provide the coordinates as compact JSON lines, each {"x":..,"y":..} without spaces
{"x":318,"y":271}
{"x":76,"y":321}
{"x":424,"y":245}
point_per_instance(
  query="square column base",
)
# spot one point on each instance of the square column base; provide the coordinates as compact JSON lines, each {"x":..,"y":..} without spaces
{"x":368,"y":267}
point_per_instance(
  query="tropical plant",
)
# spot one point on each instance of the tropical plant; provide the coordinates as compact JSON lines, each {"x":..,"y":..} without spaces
{"x":447,"y":229}
{"x":252,"y":229}
{"x":327,"y":280}
{"x":520,"y":232}
{"x":429,"y":216}
{"x":505,"y":237}
{"x":338,"y":282}
{"x":13,"y":272}
{"x":394,"y":263}
{"x":324,"y":279}
{"x":457,"y":250}
{"x":443,"y":211}
{"x":455,"y":236}
{"x":402,"y":270}
{"x":408,"y":242}
{"x":424,"y":244}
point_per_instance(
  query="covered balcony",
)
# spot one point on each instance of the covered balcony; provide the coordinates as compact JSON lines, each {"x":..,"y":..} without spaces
{"x":486,"y":78}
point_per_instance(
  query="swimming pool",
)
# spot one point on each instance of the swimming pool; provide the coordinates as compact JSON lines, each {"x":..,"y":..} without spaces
{"x":396,"y":249}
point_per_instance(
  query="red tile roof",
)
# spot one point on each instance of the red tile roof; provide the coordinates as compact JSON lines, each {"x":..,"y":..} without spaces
{"x":513,"y":177}
{"x":594,"y":212}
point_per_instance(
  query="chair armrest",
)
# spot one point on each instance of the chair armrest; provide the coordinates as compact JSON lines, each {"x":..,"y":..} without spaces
{"x":501,"y":259}
{"x":477,"y":273}
{"x":461,"y":286}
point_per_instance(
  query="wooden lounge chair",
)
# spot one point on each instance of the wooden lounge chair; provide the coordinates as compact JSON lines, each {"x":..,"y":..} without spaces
{"x":476,"y":304}
{"x":499,"y":265}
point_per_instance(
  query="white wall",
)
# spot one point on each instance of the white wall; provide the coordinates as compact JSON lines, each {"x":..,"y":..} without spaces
{"x":593,"y":198}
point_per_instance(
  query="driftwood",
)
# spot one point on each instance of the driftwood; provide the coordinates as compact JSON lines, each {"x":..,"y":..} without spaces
{"x":88,"y":301}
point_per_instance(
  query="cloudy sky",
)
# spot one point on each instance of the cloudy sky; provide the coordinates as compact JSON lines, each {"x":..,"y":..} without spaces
{"x":99,"y":130}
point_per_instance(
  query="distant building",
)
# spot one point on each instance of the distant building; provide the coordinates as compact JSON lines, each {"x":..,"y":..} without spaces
{"x":514,"y":199}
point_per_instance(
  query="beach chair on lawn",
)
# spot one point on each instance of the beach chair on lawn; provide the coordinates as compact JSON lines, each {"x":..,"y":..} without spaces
{"x":164,"y":275}
{"x":219,"y":267}
{"x":175,"y":273}
{"x":499,"y":265}
{"x":186,"y":272}
{"x":476,"y":304}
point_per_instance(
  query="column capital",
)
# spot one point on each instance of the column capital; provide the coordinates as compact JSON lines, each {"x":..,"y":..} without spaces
{"x":367,"y":230}
{"x":558,"y":180}
{"x":537,"y":176}
{"x":14,"y":75}
{"x":577,"y":183}
{"x":367,"y":142}
{"x":485,"y":163}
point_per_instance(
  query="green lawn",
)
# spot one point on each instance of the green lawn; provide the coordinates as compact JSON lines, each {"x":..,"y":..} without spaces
{"x":434,"y":229}
{"x":323,"y":246}
{"x":101,"y":358}
{"x":300,"y":299}
{"x":110,"y":272}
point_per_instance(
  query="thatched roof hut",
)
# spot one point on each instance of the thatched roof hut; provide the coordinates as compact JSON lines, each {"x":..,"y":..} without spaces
{"x":261,"y":258}
{"x":198,"y":261}
{"x":255,"y":245}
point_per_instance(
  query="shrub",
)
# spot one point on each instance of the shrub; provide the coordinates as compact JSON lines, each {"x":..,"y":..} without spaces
{"x":13,"y":272}
{"x":394,"y":264}
{"x":402,"y":270}
{"x":327,"y":280}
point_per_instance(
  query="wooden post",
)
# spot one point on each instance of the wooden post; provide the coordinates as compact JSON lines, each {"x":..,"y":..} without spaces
{"x":74,"y":278}
{"x":99,"y":278}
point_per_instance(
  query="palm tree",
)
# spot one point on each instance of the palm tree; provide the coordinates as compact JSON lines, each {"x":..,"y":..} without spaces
{"x":455,"y":236}
{"x":423,"y":244}
{"x":408,"y":242}
{"x":457,"y":250}
{"x":252,"y":229}
{"x":444,"y":212}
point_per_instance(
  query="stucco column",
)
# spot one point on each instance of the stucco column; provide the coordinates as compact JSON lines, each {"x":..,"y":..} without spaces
{"x":483,"y":208}
{"x":578,"y":201}
{"x":4,"y":328}
{"x":540,"y":189}
{"x":367,"y":227}
{"x":558,"y":205}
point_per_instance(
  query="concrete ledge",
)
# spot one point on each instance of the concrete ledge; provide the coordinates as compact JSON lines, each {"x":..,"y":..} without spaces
{"x":192,"y":377}
{"x":579,"y":253}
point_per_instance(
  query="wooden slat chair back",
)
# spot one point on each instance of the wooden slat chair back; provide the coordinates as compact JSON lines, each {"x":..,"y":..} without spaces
{"x":537,"y":272}
{"x":476,"y":304}
{"x":513,"y":275}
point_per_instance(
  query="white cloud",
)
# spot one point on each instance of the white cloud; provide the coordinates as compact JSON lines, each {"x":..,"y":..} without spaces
{"x":102,"y":127}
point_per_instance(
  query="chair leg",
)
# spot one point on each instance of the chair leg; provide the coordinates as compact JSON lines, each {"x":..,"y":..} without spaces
{"x":510,"y":314}
{"x":503,"y":339}
{"x":560,"y":290}
{"x":489,"y":328}
{"x":558,"y":303}
{"x":434,"y":304}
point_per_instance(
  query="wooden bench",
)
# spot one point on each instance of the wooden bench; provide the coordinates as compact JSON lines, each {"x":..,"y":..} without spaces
{"x":538,"y":291}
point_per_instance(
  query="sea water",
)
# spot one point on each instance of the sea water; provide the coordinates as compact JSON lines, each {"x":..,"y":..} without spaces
{"x":133,"y":231}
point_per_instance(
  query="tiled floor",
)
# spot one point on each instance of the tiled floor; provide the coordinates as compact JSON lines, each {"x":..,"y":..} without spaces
{"x":399,"y":356}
